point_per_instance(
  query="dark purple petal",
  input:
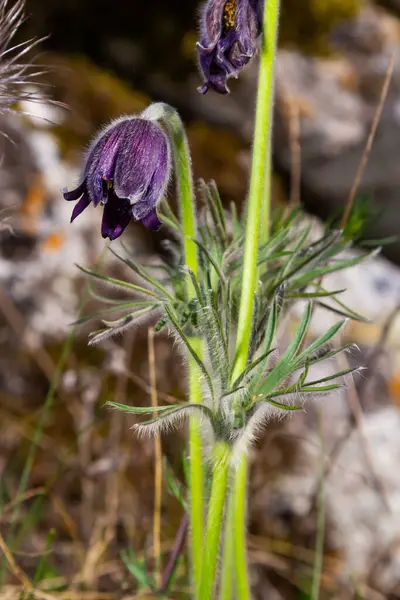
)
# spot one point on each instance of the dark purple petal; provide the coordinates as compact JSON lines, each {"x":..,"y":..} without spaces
{"x":257,"y":6}
{"x":215,"y":82}
{"x":76,"y":193}
{"x":143,"y":149}
{"x":203,"y":89}
{"x":127,"y":169}
{"x":80,"y":207}
{"x":211,"y":22}
{"x":116,"y":217}
{"x":248,"y":26}
{"x":215,"y":74}
{"x":155,"y":189}
{"x":151,"y":221}
{"x":238,"y":58}
{"x":226,"y":49}
{"x":102,"y":157}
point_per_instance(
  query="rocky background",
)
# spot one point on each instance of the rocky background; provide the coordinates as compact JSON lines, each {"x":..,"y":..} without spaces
{"x":91,"y":484}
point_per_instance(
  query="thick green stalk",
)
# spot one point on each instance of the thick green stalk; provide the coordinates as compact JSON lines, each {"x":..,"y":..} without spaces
{"x":227,"y":573}
{"x":239,"y":523}
{"x":258,"y":213}
{"x":266,"y":199}
{"x":267,"y":70}
{"x":196,"y":470}
{"x":183,"y":174}
{"x":221,"y":455}
{"x":258,"y":181}
{"x":267,"y":60}
{"x":184,"y":182}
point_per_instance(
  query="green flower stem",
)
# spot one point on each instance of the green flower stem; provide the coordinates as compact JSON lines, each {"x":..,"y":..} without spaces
{"x":183,"y":174}
{"x":259,"y":183}
{"x":257,"y":222}
{"x":267,"y":83}
{"x":184,"y":182}
{"x":195,"y":470}
{"x":227,"y":573}
{"x":266,"y":199}
{"x":184,"y":179}
{"x":221,"y":455}
{"x":239,"y":522}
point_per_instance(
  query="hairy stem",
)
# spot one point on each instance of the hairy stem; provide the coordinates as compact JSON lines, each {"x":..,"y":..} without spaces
{"x":258,"y":216}
{"x":184,"y":182}
{"x":364,"y":159}
{"x":260,"y":182}
{"x":183,"y":173}
{"x":266,"y":197}
{"x":239,"y":523}
{"x":196,"y":471}
{"x":227,"y":573}
{"x":214,"y":521}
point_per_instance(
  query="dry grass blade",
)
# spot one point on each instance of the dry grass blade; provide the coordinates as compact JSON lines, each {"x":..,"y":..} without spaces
{"x":358,"y":422}
{"x":11,"y":592}
{"x":158,"y":464}
{"x":291,"y":112}
{"x":20,"y":575}
{"x":370,"y":141}
{"x":15,"y":569}
{"x":113,"y":485}
{"x":147,"y":388}
{"x":357,"y":411}
{"x":26,"y":496}
{"x":176,"y":551}
{"x":295,"y":152}
{"x":379,"y":347}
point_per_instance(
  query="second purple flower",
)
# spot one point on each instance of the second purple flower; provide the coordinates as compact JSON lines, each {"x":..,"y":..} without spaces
{"x":127,"y":171}
{"x":229,"y":30}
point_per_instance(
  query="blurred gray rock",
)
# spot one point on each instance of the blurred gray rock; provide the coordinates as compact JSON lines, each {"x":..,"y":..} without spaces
{"x":336,"y":100}
{"x":365,"y":529}
{"x":362,"y":522}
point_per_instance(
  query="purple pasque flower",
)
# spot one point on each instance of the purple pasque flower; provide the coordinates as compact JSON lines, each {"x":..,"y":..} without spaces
{"x":127,"y":170}
{"x":229,"y":30}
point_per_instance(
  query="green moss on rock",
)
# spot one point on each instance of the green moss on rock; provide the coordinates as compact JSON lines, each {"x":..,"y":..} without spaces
{"x":94,"y":97}
{"x":308,"y":23}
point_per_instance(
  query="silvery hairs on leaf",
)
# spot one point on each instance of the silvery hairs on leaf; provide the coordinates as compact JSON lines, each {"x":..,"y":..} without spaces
{"x":18,"y":73}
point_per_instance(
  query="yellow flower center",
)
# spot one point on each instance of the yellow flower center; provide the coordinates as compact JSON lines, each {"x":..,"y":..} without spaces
{"x":229,"y":15}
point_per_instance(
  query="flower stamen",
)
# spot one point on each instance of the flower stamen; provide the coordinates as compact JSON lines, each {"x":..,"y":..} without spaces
{"x":107,"y":186}
{"x":230,"y":14}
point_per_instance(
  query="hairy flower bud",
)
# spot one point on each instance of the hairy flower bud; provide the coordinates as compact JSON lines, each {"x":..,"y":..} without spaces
{"x":229,"y":30}
{"x":126,"y":170}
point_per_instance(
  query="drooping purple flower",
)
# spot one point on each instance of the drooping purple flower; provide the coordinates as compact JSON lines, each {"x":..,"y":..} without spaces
{"x":229,"y":30}
{"x":126,"y":170}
